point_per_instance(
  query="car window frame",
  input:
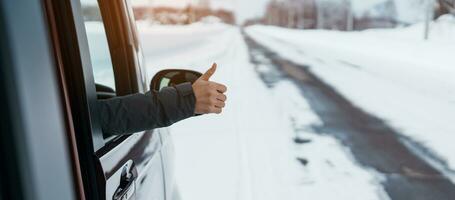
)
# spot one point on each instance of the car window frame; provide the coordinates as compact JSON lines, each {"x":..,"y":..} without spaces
{"x":102,"y":143}
{"x":88,"y":76}
{"x":121,"y":43}
{"x":124,"y":47}
{"x":71,"y":49}
{"x":68,"y":30}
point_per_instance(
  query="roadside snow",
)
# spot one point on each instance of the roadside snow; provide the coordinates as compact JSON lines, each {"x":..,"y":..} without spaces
{"x":391,"y":73}
{"x":247,"y":153}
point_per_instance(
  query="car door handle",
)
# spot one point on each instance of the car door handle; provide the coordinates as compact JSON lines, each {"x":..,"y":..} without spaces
{"x":127,"y":187}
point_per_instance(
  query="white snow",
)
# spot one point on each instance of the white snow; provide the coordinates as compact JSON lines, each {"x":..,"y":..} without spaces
{"x":393,"y":74}
{"x":247,"y":152}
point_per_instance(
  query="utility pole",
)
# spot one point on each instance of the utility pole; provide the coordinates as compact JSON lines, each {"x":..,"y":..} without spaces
{"x":150,"y":12}
{"x":277,"y":17}
{"x":282,"y":14}
{"x":349,"y":16}
{"x":429,"y":13}
{"x":319,"y":15}
{"x":291,"y":15}
{"x":300,"y":14}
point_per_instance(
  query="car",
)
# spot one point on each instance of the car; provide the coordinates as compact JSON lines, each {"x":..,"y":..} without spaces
{"x":58,"y":58}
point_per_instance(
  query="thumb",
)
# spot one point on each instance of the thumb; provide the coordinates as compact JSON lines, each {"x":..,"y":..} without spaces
{"x":206,"y":76}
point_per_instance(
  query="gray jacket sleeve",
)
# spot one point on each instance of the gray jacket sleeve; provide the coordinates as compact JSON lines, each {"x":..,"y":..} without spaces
{"x":140,"y":112}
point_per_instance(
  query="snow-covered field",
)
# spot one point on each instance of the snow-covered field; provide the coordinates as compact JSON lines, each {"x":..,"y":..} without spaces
{"x":393,"y":74}
{"x":247,"y":152}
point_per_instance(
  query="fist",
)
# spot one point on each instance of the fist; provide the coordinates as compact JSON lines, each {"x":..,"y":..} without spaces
{"x":210,"y":96}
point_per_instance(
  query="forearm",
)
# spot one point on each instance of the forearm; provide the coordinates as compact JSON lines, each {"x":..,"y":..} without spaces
{"x":139,"y":112}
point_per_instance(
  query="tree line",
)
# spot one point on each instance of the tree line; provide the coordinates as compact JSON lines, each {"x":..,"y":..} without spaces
{"x":339,"y":15}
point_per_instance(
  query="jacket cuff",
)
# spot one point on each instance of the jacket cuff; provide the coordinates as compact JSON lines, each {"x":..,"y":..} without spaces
{"x":187,"y":98}
{"x":185,"y":89}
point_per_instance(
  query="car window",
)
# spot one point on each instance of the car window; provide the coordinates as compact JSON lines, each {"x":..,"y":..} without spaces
{"x":100,"y":57}
{"x":103,"y":72}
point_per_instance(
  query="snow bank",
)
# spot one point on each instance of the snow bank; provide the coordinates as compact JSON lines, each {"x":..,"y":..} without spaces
{"x":442,"y":31}
{"x":393,"y":74}
{"x":247,"y":152}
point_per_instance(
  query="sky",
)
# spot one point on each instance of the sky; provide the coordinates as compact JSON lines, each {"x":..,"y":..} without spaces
{"x":245,"y":9}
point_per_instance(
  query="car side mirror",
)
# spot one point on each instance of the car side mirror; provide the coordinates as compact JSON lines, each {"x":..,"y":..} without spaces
{"x":171,"y":77}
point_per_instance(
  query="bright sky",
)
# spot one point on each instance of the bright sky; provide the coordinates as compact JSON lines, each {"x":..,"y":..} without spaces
{"x":245,"y":9}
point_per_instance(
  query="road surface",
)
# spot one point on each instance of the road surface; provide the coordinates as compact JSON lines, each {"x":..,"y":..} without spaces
{"x":373,"y":143}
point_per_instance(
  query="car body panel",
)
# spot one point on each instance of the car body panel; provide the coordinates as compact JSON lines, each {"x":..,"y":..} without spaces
{"x":102,"y":160}
{"x":144,"y":151}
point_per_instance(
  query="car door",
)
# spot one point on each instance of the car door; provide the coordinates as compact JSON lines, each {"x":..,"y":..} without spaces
{"x":100,"y":58}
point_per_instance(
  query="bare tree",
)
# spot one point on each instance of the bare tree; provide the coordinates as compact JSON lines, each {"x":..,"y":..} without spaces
{"x":446,"y":6}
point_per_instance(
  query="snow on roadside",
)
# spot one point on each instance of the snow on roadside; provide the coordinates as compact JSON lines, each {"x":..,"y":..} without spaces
{"x":391,"y":73}
{"x":247,"y":152}
{"x":442,"y":31}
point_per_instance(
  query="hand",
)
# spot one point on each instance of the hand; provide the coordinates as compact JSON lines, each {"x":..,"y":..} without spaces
{"x":209,"y":95}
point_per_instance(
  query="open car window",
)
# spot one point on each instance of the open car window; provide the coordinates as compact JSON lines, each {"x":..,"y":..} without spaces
{"x":100,"y":57}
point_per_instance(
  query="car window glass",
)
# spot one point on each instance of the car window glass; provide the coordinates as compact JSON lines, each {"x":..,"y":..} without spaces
{"x":164,"y":82}
{"x":103,"y":72}
{"x":100,"y":57}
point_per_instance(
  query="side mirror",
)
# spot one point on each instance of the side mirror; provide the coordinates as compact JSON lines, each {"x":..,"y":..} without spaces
{"x":171,"y":77}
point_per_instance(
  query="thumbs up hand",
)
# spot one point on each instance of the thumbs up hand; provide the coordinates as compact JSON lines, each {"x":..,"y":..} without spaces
{"x":209,"y":95}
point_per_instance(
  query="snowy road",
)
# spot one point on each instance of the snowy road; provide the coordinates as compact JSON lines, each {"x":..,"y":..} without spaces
{"x":293,"y":137}
{"x":390,"y":73}
{"x":373,"y":143}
